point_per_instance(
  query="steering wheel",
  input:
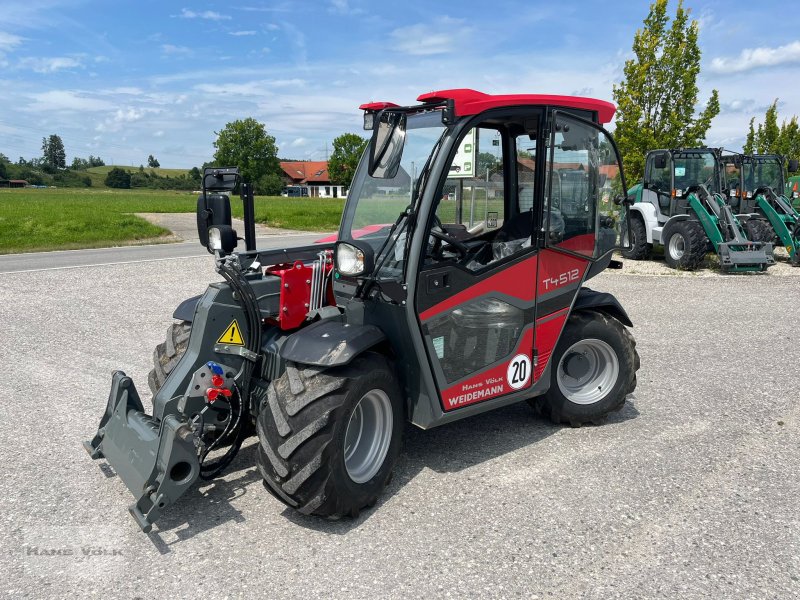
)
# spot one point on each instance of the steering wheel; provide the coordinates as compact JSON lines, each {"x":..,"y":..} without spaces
{"x":442,"y":238}
{"x":448,"y":239}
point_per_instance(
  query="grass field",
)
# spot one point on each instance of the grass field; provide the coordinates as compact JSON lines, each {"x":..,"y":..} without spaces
{"x":62,"y":219}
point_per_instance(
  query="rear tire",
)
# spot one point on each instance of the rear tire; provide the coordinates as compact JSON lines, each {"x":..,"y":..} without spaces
{"x":685,"y":244}
{"x":640,"y":249}
{"x":329,"y":438}
{"x":168,"y":353}
{"x":592,"y":370}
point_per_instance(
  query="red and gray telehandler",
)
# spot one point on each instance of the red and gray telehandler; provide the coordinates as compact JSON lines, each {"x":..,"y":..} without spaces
{"x":455,"y":285}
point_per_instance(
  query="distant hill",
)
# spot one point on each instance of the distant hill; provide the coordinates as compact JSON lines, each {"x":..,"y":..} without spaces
{"x":98,"y":174}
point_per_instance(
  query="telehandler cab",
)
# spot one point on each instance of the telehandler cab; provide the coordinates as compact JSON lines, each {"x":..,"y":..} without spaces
{"x":325,"y":351}
{"x":680,"y":204}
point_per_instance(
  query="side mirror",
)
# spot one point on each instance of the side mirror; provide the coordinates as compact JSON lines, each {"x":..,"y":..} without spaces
{"x":213,"y":210}
{"x":386,"y":146}
{"x":793,"y":165}
{"x":619,"y":199}
{"x":660,"y":160}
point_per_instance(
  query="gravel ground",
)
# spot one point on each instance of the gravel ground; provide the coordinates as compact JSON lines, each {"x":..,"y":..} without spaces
{"x":709,"y":267}
{"x":690,"y":491}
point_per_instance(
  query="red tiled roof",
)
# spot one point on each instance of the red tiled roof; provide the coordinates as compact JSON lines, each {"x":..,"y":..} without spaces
{"x":306,"y":171}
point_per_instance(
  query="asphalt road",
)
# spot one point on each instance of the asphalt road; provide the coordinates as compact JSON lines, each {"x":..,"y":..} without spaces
{"x":67,"y":259}
{"x":691,"y":491}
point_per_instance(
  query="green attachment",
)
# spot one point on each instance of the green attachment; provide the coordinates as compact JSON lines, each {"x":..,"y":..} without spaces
{"x":736,"y":252}
{"x":784,"y":219}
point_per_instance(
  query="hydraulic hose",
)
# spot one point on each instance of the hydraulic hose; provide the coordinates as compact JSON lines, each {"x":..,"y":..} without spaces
{"x":247,"y":299}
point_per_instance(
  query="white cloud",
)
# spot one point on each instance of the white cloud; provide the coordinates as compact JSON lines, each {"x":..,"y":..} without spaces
{"x":206,"y":14}
{"x":173,"y":50}
{"x":49,"y":65}
{"x":123,"y":117}
{"x":241,"y":33}
{"x":754,"y":58}
{"x":443,"y":37}
{"x":298,"y":142}
{"x":159,"y":133}
{"x":9,"y":41}
{"x":343,"y":7}
{"x":129,"y":90}
{"x":66,"y":101}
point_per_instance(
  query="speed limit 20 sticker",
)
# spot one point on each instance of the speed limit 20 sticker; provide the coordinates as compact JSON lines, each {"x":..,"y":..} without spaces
{"x":519,"y":371}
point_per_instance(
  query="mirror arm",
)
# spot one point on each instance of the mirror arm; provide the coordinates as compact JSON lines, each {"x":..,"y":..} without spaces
{"x":248,"y":202}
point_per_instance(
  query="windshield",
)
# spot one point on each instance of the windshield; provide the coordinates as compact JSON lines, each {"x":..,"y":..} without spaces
{"x":695,"y":168}
{"x":374,"y":204}
{"x":765,"y":172}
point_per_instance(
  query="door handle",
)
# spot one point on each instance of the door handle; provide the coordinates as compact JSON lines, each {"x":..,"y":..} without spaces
{"x":437,"y":281}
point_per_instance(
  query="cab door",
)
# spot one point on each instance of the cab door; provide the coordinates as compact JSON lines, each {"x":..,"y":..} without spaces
{"x":583,"y":219}
{"x":476,"y":290}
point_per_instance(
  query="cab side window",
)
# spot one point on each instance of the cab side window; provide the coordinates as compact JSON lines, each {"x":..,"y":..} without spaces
{"x":473,"y":196}
{"x":583,"y":170}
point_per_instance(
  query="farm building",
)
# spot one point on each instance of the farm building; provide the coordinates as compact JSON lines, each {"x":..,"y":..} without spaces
{"x":13,"y":183}
{"x":312,"y":174}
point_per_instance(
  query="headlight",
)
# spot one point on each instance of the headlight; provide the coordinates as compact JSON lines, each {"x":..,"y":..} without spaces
{"x":350,"y":260}
{"x":214,"y":239}
{"x":221,"y":238}
{"x":353,"y":259}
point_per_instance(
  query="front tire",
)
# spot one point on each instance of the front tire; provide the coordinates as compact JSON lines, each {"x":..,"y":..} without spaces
{"x":329,"y":439}
{"x":759,"y":230}
{"x":168,"y":353}
{"x":685,"y":245}
{"x":592,"y":370}
{"x":640,"y":249}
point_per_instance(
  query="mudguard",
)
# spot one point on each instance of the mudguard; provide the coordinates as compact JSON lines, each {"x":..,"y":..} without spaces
{"x":589,"y":299}
{"x":330,"y":343}
{"x":185,"y":310}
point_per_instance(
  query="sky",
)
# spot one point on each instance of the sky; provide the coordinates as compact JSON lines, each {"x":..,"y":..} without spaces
{"x":123,"y":80}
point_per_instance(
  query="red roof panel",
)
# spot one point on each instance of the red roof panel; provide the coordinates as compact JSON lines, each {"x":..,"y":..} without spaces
{"x":472,"y":102}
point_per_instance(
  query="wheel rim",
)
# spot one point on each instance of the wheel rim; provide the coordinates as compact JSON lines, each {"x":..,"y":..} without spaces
{"x":595,"y":369}
{"x":368,"y":435}
{"x":677,"y":246}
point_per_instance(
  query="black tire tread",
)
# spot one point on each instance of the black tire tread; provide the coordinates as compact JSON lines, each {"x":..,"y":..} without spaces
{"x":640,"y":249}
{"x":629,"y":364}
{"x":295,"y":426}
{"x":696,"y":242}
{"x":167,"y":354}
{"x":759,"y":230}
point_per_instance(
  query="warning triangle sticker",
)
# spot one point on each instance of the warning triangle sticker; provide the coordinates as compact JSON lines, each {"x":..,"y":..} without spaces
{"x":232,"y":335}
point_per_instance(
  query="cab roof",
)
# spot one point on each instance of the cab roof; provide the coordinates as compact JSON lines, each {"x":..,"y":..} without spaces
{"x":471,"y":102}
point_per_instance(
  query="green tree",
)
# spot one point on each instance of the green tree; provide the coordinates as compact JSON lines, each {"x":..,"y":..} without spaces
{"x":657,"y":97}
{"x":195,"y":174}
{"x":53,"y":152}
{"x":117,"y":178}
{"x":751,"y":141}
{"x":152,"y":162}
{"x":347,"y":151}
{"x":79,"y":164}
{"x":769,"y":138}
{"x":768,"y":134}
{"x":487,"y":160}
{"x":246,"y":144}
